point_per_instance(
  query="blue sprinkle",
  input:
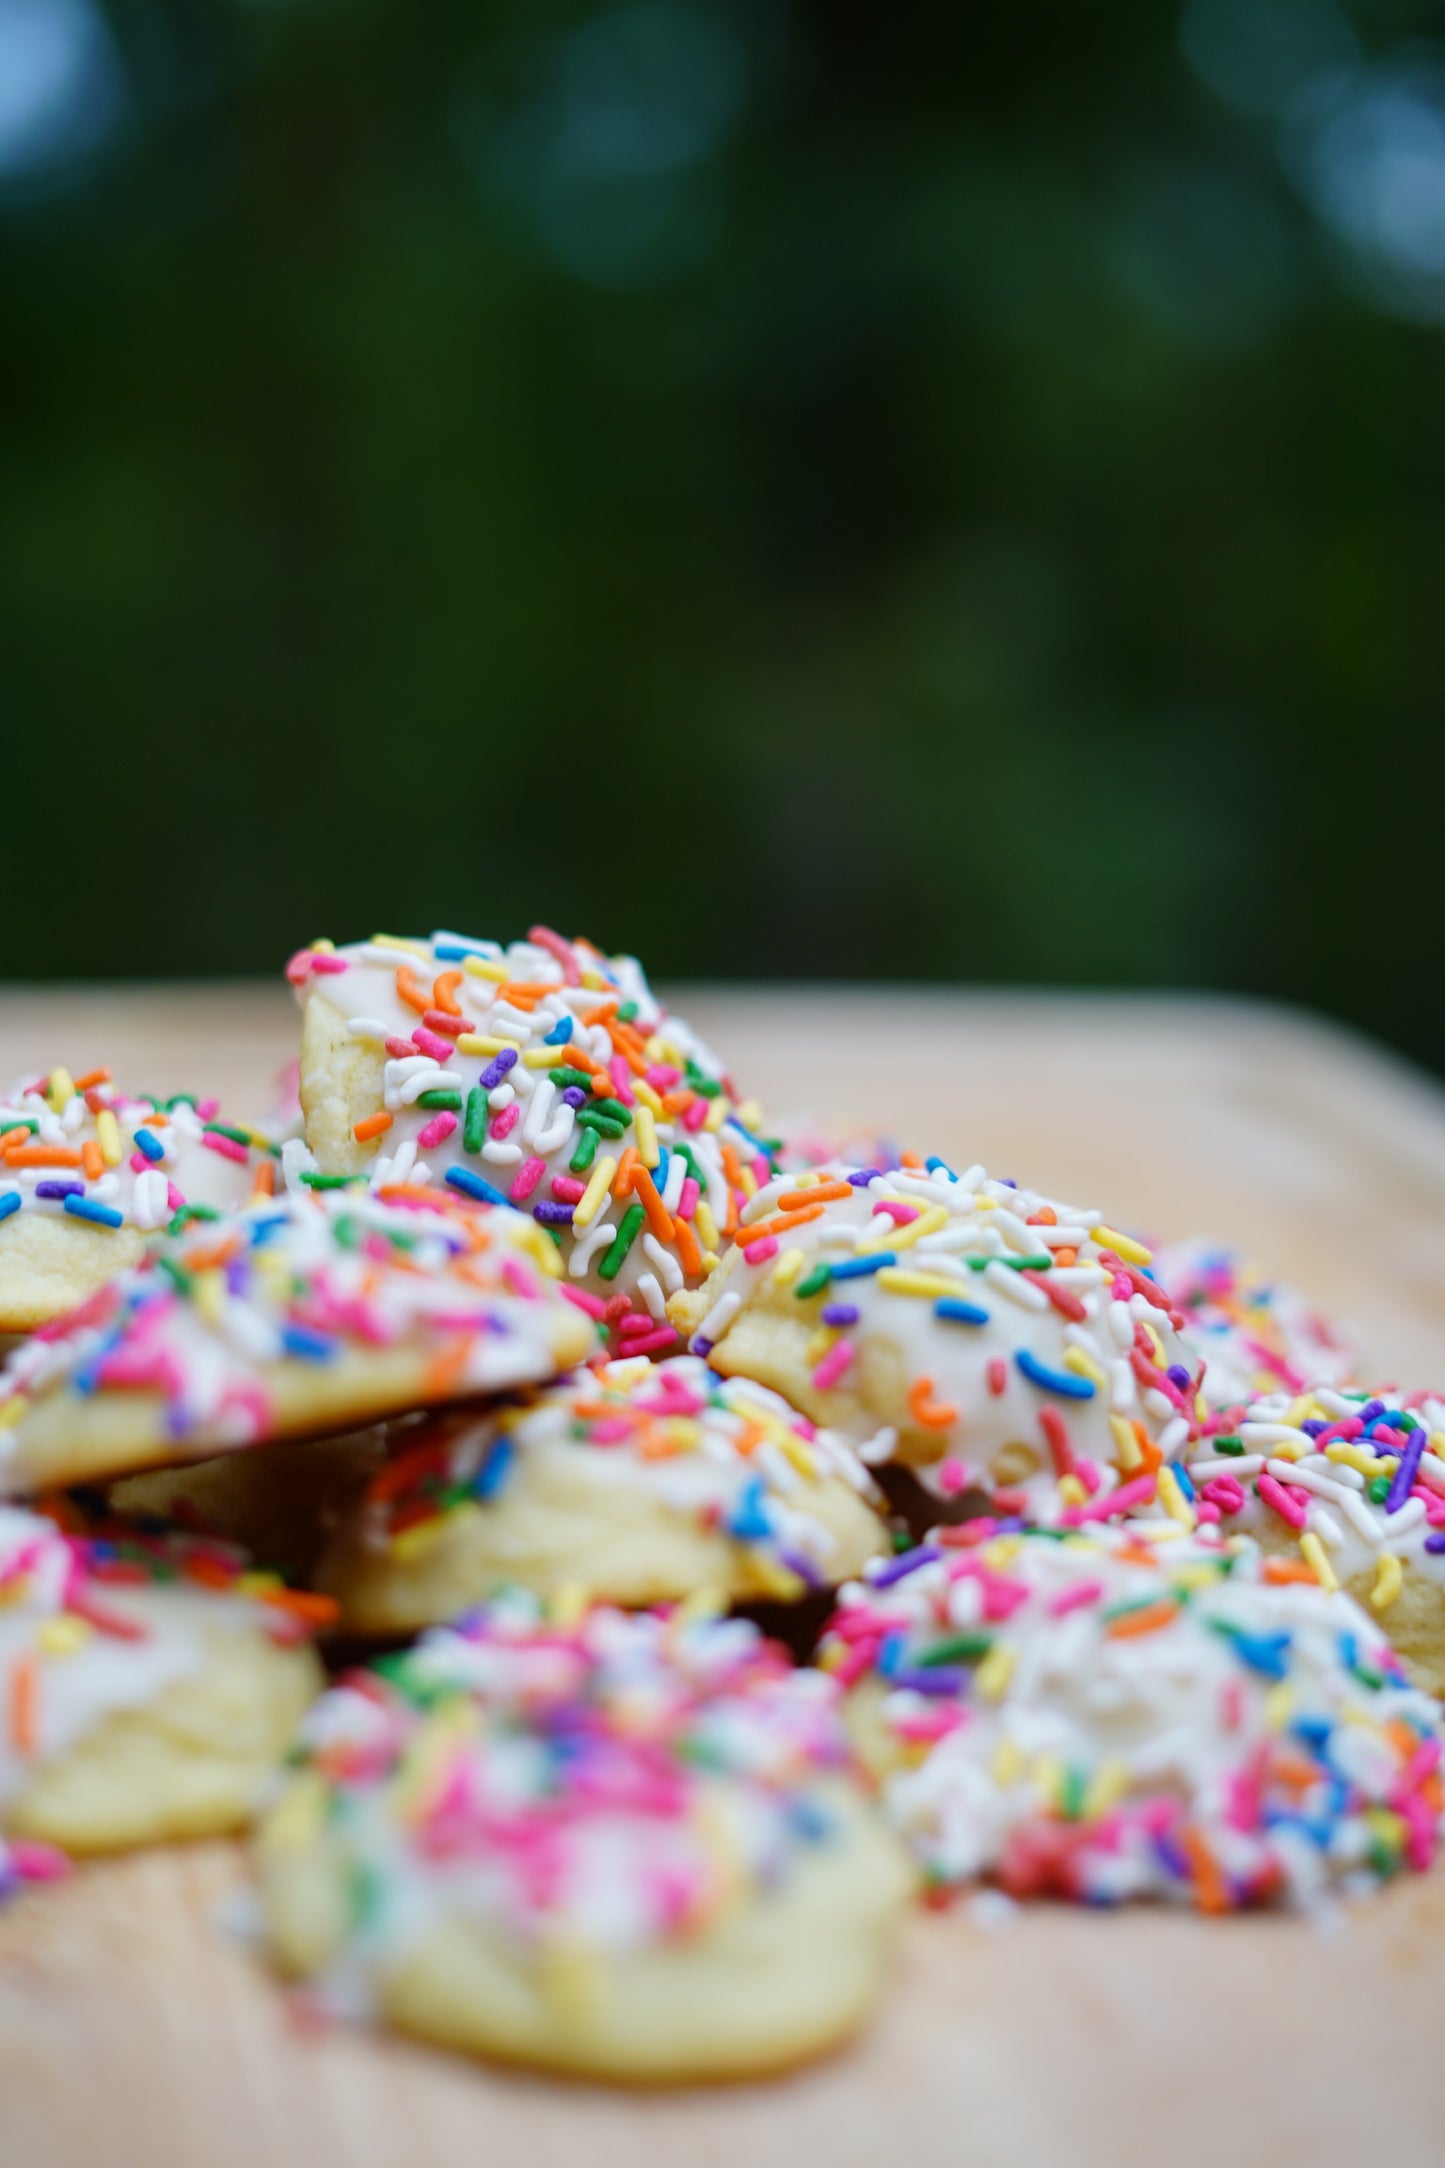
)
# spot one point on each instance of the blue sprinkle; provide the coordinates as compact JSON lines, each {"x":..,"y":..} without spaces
{"x":310,"y":1345}
{"x":9,"y":1202}
{"x":940,"y":1166}
{"x":101,"y":1215}
{"x":472,"y":1185}
{"x":954,"y":1310}
{"x":659,"y":1172}
{"x":1183,"y":1478}
{"x":1264,"y":1653}
{"x":560,"y":1033}
{"x":494,"y":1470}
{"x":891,"y":1652}
{"x":1063,"y":1382}
{"x":749,"y":1522}
{"x":450,"y":948}
{"x":150,"y":1145}
{"x":857,"y":1268}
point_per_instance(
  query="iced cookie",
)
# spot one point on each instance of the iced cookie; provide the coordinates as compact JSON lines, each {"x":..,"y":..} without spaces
{"x":1102,"y":1716}
{"x":151,"y":1685}
{"x":629,"y":1846}
{"x":1015,"y":1347}
{"x":1352,"y":1484}
{"x":319,"y":1311}
{"x":546,"y":1076}
{"x":87,"y":1171}
{"x":1254,"y":1334}
{"x":635,"y":1484}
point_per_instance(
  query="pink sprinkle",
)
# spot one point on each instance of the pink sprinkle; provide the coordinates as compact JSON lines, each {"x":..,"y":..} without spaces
{"x":1289,"y":1509}
{"x":997,"y":1376}
{"x":519,"y":1278}
{"x":899,"y":1213}
{"x":428,"y":1042}
{"x":1123,"y":1500}
{"x":662,"y":1076}
{"x":654,"y":1343}
{"x":562,"y":951}
{"x":38,"y":1862}
{"x":226,"y":1146}
{"x":635,"y":1322}
{"x":1071,"y":1599}
{"x":436,"y":1131}
{"x":581,"y":1300}
{"x":507,"y":1120}
{"x":1088,"y":1474}
{"x":174,"y":1197}
{"x":611,"y":1430}
{"x":695,"y":1115}
{"x":833,"y":1365}
{"x":1224,"y":1492}
{"x":621,"y":1077}
{"x":1206,"y":1512}
{"x":951,"y":1477}
{"x":138,"y":1163}
{"x":762,"y":1172}
{"x":400,"y":1049}
{"x":528,"y":1175}
{"x":758,"y":1253}
{"x":566,"y":1190}
{"x":687,"y":1198}
{"x":855,"y":1663}
{"x":208,"y":1109}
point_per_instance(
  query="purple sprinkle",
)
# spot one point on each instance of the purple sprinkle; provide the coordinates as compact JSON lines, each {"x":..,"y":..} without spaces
{"x":553,"y":1215}
{"x":803,"y":1567}
{"x":60,"y":1189}
{"x":1371,"y":1409}
{"x":1436,"y":1543}
{"x":931,"y":1678}
{"x":840,"y":1313}
{"x":1178,"y":1375}
{"x":492,"y":1075}
{"x":898,"y":1569}
{"x":574,"y":1096}
{"x":701,"y":1346}
{"x":1404,"y":1478}
{"x":862,"y":1176}
{"x":1013,"y":1526}
{"x":1313,"y":1425}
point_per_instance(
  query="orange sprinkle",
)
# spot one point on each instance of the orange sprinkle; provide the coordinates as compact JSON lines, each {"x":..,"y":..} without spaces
{"x":627,"y":1167}
{"x":92,"y":1077}
{"x":933,"y":1414}
{"x":25,"y":1703}
{"x":446,"y":1366}
{"x":689,"y":1255}
{"x":793,"y":1200}
{"x":209,"y":1572}
{"x":410,"y":992}
{"x":1046,"y":1216}
{"x":1210,"y":1888}
{"x":749,"y":1438}
{"x":303,"y":1604}
{"x":40,"y":1155}
{"x":645,"y":1190}
{"x":220,"y":1253}
{"x":677,"y":1102}
{"x":912,"y":1160}
{"x":733,"y":1170}
{"x":1153,"y":1458}
{"x":14,"y":1136}
{"x":265,"y":1178}
{"x":399,"y":1474}
{"x":779,"y":1224}
{"x":1066,"y":1256}
{"x":374,"y":1125}
{"x":1278,"y":1571}
{"x":1146,"y":1621}
{"x":444,"y":993}
{"x":91,"y":1160}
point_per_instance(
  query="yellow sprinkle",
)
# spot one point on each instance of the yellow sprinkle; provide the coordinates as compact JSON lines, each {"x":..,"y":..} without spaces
{"x":1158,"y":1345}
{"x":995,"y":1672}
{"x":64,"y":1635}
{"x":482,"y":967}
{"x":1388,"y":1827}
{"x":930,"y":1285}
{"x":107,"y":1136}
{"x":750,"y":1113}
{"x":1388,"y":1577}
{"x":61,"y":1089}
{"x":643,"y":1092}
{"x":717,"y":1113}
{"x":594,"y":981}
{"x":400,"y":941}
{"x":1302,"y":1409}
{"x":1084,"y":1366}
{"x":1047,"y":1773}
{"x":12,"y":1410}
{"x":706,"y":1226}
{"x":1007,"y":1763}
{"x":323,"y":947}
{"x":825,"y":1337}
{"x":257,"y":1583}
{"x":300,"y":1817}
{"x":1106,"y":1787}
{"x":709,"y":1260}
{"x":1132,"y":1252}
{"x":410,"y":1544}
{"x":1354,"y":1456}
{"x":542,"y":1057}
{"x":1313,"y":1553}
{"x":646,"y":1128}
{"x":775,"y":1578}
{"x":1279,"y":1705}
{"x":891,"y":1237}
{"x":701,"y":1605}
{"x":599,"y":1183}
{"x":1072,"y":1491}
{"x":999,"y":1555}
{"x":788,"y":1267}
{"x":1287,"y":1449}
{"x":540,"y":1248}
{"x":209,"y":1296}
{"x":1127,"y":1455}
{"x":1173,"y":1500}
{"x":795,"y":1449}
{"x":568,"y":1603}
{"x":747,"y":1182}
{"x":483,"y":1042}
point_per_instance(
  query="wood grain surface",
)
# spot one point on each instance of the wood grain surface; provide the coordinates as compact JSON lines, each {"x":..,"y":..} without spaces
{"x":136,"y":2028}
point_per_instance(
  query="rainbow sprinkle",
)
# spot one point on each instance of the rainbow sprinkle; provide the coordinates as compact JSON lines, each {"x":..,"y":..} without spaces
{"x":1255,"y":1335}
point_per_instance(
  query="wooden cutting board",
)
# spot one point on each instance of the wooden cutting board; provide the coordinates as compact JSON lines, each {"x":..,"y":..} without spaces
{"x":135,"y":2028}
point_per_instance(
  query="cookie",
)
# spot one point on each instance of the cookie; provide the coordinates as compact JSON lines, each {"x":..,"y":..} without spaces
{"x":1104,"y":1716}
{"x":1352,"y":1484}
{"x":633,"y":1484}
{"x":317,"y":1311}
{"x":88,"y":1171}
{"x":151,"y":1685}
{"x":1253,"y":1334}
{"x":546,"y":1076}
{"x":630,"y":1847}
{"x":1015,"y":1349}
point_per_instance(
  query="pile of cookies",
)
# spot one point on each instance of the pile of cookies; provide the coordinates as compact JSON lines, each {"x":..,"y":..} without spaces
{"x":714,"y":1540}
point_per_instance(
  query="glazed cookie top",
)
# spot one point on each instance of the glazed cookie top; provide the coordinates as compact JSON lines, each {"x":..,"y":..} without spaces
{"x":94,"y":1623}
{"x":1109,"y":1716}
{"x":723,"y":1453}
{"x":597,"y":1786}
{"x":547,"y":1076}
{"x":310,"y":1311}
{"x":1254,"y":1335}
{"x":82,"y":1148}
{"x":1017,"y":1344}
{"x":1356,"y":1478}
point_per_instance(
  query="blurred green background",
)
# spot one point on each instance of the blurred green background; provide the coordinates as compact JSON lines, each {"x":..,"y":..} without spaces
{"x":817,"y":490}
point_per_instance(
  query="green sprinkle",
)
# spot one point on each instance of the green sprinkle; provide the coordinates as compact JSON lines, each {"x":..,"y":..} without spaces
{"x":685,"y":1152}
{"x":474,"y":1127}
{"x":1135,"y":1603}
{"x":564,"y":1079}
{"x":1072,"y":1793}
{"x":626,"y":1235}
{"x":177,"y":1099}
{"x":189,"y":1212}
{"x":585,"y":1152}
{"x":627,"y":1014}
{"x":331,"y":1181}
{"x":813,"y":1283}
{"x":902,"y":1540}
{"x":178,"y":1276}
{"x":1406,"y":1421}
{"x":227,"y":1129}
{"x":20,"y":1122}
{"x":1231,"y":1445}
{"x":957,"y":1648}
{"x":1379,"y":1489}
{"x":1015,"y":1264}
{"x":443,"y":1102}
{"x":611,"y":1110}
